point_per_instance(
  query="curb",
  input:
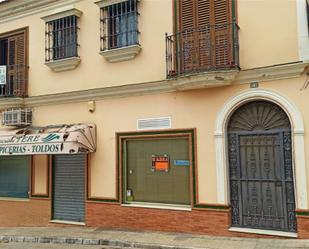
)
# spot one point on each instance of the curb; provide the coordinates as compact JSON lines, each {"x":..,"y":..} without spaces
{"x":82,"y":241}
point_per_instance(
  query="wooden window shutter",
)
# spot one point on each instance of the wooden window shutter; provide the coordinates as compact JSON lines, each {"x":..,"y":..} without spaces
{"x":20,"y":50}
{"x":206,"y":33}
{"x":187,"y":14}
{"x":16,"y":64}
{"x":223,"y":33}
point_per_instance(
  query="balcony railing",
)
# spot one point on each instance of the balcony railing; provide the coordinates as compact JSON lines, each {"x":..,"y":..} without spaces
{"x":16,"y":82}
{"x":202,"y":49}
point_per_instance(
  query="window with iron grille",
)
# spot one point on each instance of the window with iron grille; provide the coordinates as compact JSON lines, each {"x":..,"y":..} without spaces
{"x":119,"y":25}
{"x":61,"y":38}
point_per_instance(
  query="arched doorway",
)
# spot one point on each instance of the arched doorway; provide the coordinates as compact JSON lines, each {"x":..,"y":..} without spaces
{"x":260,"y":168}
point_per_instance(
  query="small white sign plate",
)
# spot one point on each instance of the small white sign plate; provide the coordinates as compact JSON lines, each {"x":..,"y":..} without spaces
{"x":2,"y":75}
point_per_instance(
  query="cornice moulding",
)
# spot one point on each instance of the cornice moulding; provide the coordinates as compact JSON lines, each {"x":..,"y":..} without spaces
{"x":99,"y":93}
{"x":105,"y":3}
{"x":276,"y":72}
{"x":6,"y":103}
{"x":69,"y":12}
{"x":21,"y":8}
{"x":162,"y":86}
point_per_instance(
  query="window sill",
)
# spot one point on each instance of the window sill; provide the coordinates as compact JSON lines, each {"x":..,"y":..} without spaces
{"x":158,"y":206}
{"x":14,"y":199}
{"x":121,"y":54}
{"x":63,"y":64}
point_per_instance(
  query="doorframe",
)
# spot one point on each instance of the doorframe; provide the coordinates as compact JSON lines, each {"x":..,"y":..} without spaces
{"x":122,"y":137}
{"x":297,"y":136}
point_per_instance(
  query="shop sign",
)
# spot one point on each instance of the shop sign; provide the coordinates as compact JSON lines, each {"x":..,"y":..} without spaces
{"x":160,"y":163}
{"x":2,"y":75}
{"x":50,"y":143}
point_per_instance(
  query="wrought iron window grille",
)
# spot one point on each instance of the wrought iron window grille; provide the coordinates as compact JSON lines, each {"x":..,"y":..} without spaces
{"x":119,"y":25}
{"x":61,"y":38}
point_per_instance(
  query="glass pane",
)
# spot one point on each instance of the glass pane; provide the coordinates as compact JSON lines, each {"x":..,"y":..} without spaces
{"x":14,"y":176}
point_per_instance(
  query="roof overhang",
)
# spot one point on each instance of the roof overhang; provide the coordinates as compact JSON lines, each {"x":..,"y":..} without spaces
{"x":63,"y":139}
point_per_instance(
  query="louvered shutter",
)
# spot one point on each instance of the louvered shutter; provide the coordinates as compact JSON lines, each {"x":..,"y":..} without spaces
{"x":223,"y":33}
{"x":201,"y":44}
{"x":204,"y":33}
{"x":19,"y":87}
{"x":11,"y":65}
{"x":187,"y":23}
{"x":16,"y":65}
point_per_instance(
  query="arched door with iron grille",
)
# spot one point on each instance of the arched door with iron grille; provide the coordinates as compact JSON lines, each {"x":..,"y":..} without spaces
{"x":260,"y":168}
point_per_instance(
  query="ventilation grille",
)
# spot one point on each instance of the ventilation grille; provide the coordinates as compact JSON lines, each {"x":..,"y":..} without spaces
{"x":154,"y":123}
{"x":17,"y":117}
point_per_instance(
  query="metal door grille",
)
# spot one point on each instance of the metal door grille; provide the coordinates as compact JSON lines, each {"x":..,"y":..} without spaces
{"x":260,"y":168}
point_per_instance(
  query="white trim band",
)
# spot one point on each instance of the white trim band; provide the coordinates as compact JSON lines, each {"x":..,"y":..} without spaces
{"x":68,"y":222}
{"x":264,"y":232}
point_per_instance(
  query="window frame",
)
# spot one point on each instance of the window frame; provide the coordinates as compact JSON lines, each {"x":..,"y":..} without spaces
{"x":28,"y":159}
{"x":113,"y":15}
{"x":66,"y":34}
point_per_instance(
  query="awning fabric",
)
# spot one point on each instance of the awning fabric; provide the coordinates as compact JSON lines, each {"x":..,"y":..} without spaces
{"x":60,"y":139}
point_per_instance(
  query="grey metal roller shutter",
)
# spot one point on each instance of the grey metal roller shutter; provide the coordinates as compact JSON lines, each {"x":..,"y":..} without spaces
{"x":69,"y":187}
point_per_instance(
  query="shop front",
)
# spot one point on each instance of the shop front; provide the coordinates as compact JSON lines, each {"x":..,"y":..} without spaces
{"x":43,"y":169}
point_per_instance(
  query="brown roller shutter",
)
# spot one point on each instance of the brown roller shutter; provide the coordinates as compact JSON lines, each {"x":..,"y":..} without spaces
{"x":203,"y":44}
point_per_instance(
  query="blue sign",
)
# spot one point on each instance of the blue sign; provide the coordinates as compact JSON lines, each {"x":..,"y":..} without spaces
{"x":181,"y":162}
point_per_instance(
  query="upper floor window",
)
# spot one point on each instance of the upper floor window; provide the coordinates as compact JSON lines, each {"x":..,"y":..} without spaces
{"x":13,"y":62}
{"x":206,"y":37}
{"x":61,"y":39}
{"x":119,"y":25}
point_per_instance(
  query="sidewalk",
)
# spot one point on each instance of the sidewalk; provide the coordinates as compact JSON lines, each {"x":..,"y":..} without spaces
{"x":108,"y":238}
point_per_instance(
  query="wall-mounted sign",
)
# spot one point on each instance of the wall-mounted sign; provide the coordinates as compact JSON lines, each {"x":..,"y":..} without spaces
{"x":2,"y":75}
{"x":69,"y":140}
{"x":181,"y":162}
{"x":160,"y":163}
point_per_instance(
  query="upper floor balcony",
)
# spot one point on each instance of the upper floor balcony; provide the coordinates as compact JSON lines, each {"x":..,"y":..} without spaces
{"x":13,"y":80}
{"x":13,"y":64}
{"x":204,"y":49}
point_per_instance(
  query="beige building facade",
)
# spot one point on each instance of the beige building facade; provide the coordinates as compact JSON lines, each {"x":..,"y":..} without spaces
{"x":200,"y":111}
